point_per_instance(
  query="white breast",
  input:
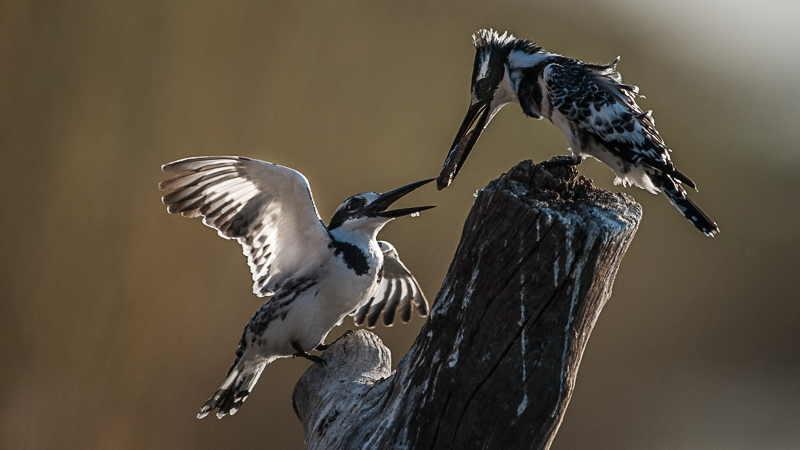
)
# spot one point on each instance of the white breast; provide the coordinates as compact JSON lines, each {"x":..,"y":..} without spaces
{"x":314,"y":312}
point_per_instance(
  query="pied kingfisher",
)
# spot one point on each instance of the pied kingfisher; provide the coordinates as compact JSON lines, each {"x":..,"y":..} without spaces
{"x":313,"y":275}
{"x":587,"y":102}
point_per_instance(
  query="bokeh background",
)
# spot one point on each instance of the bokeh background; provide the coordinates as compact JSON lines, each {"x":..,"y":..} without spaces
{"x":117,"y":320}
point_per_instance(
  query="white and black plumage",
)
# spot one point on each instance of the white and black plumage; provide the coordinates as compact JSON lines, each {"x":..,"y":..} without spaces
{"x":313,"y":275}
{"x":587,"y":102}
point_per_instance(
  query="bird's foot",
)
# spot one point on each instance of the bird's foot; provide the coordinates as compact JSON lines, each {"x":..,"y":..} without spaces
{"x":563,"y":161}
{"x":312,"y":358}
{"x":323,"y":347}
{"x":301,"y":353}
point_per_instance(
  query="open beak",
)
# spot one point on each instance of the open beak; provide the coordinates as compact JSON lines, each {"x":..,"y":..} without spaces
{"x":380,"y":204}
{"x":471,"y":128}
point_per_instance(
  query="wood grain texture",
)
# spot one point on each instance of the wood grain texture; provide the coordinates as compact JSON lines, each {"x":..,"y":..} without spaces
{"x":495,"y":364}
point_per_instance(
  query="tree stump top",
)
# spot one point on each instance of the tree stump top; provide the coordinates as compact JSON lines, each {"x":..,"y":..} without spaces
{"x":562,"y":189}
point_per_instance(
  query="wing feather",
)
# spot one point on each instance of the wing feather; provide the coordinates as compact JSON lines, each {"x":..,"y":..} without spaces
{"x":361,"y":313}
{"x":594,"y":98}
{"x":377,"y":308}
{"x":398,"y":294}
{"x":267,"y":208}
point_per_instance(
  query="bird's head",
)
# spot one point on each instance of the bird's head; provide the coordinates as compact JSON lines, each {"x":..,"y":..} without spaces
{"x":369,"y":211}
{"x":491,"y":90}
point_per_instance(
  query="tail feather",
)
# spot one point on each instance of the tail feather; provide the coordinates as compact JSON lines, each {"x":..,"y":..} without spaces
{"x":234,"y":390}
{"x":677,"y":196}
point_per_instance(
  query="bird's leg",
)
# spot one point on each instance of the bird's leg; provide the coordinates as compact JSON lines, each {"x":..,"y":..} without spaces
{"x":301,"y":353}
{"x":323,"y":347}
{"x":564,"y":161}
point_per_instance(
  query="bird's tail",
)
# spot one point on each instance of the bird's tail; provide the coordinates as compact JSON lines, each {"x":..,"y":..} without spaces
{"x":677,"y":196}
{"x":234,"y":390}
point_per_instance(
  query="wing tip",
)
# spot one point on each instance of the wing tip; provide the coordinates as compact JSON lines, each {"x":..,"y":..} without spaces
{"x":181,"y":164}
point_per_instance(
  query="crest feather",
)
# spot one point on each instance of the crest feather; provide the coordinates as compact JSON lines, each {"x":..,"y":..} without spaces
{"x":487,"y":39}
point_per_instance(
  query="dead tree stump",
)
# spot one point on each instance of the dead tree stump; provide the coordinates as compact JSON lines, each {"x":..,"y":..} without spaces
{"x":495,"y":364}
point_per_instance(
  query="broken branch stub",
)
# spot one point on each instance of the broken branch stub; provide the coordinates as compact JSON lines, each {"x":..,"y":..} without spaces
{"x":495,"y":364}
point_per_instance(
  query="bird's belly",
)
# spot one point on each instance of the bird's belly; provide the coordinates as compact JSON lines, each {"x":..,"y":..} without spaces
{"x":314,"y":313}
{"x":628,"y":173}
{"x":563,"y":124}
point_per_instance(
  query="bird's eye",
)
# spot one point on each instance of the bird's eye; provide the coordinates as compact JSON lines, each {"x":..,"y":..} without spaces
{"x":355,"y":203}
{"x":482,"y":86}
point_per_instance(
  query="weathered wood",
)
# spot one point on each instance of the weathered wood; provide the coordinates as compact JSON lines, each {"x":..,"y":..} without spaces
{"x":495,"y":364}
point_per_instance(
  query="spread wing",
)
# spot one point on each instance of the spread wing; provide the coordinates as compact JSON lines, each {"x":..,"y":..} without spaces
{"x":266,"y":207}
{"x":398,"y":294}
{"x":594,"y":98}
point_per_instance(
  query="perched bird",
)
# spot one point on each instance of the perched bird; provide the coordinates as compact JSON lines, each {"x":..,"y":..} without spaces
{"x":587,"y":102}
{"x":313,"y":275}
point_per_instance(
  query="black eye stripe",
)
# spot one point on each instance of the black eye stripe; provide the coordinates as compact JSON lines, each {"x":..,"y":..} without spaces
{"x":355,"y":203}
{"x":482,"y":86}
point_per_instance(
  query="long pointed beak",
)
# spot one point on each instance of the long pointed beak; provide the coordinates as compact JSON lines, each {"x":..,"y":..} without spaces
{"x":471,"y":128}
{"x":380,"y":204}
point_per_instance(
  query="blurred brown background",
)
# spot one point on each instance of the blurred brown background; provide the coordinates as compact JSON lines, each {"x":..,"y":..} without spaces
{"x":118,"y":321}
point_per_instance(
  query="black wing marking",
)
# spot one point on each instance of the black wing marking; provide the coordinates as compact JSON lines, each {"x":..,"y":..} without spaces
{"x":266,"y":207}
{"x":397,"y":295}
{"x":594,"y":98}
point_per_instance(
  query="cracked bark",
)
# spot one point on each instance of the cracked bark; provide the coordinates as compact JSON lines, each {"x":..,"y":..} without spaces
{"x":495,"y":364}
